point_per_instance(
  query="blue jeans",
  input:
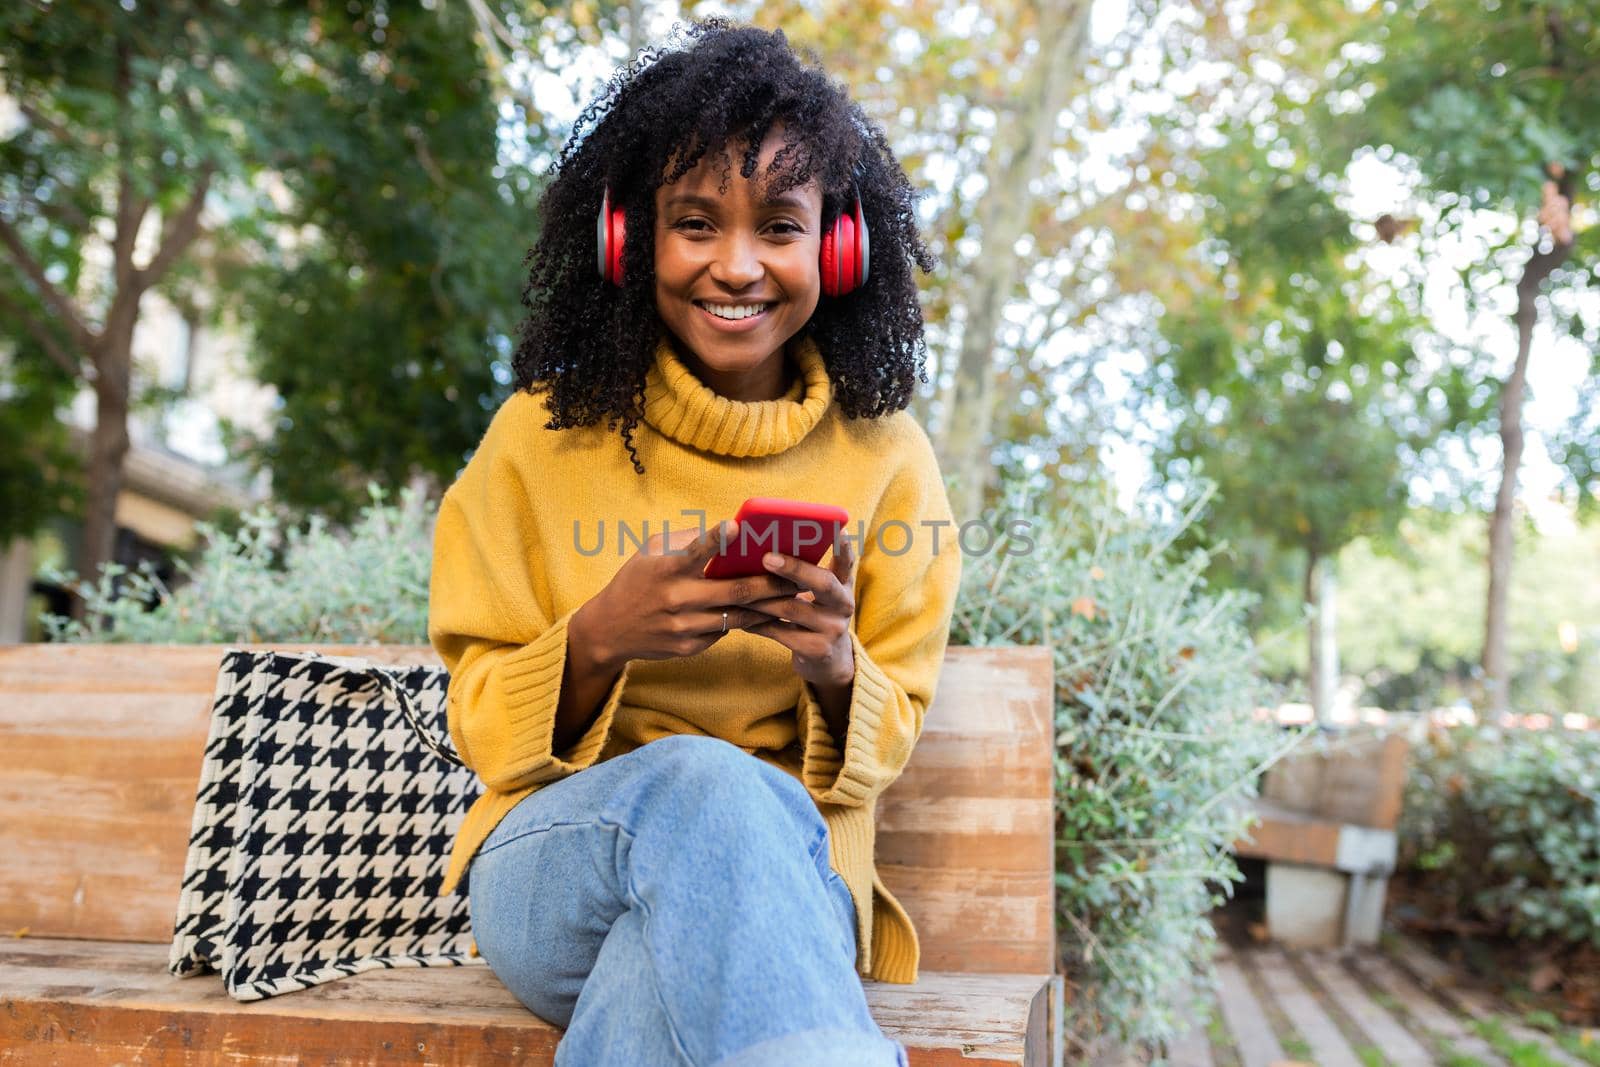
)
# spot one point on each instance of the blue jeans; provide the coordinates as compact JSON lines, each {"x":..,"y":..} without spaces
{"x":675,"y":905}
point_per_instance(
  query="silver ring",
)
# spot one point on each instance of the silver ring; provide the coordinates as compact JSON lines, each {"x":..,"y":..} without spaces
{"x":724,"y":622}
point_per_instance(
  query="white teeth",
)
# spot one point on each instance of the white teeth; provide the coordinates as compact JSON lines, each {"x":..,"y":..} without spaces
{"x":734,"y":311}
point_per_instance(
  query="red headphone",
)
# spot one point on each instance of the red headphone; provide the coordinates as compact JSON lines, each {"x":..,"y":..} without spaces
{"x":846,"y":247}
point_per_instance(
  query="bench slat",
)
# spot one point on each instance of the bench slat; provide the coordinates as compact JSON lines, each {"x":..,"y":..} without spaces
{"x":84,"y":1002}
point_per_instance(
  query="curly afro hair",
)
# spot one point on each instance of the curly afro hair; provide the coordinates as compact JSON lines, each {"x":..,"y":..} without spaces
{"x":589,"y":343}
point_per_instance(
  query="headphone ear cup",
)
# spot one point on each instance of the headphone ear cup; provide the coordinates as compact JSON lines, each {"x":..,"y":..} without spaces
{"x":609,"y":228}
{"x":845,"y":253}
{"x":829,"y":261}
{"x":619,"y":228}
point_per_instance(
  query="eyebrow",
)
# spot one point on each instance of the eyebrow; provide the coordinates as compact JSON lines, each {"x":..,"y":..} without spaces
{"x":790,"y":200}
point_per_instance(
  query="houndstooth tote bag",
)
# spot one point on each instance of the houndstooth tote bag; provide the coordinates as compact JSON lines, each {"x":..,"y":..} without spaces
{"x":322,"y":825}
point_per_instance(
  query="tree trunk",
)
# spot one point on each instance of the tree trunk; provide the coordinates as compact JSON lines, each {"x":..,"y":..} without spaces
{"x":1018,"y":154}
{"x":109,"y":443}
{"x":1501,"y":534}
{"x":1496,"y":672}
{"x":108,"y":448}
{"x":1322,"y":672}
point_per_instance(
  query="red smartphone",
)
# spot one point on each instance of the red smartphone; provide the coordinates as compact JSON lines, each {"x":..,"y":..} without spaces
{"x":771,"y":524}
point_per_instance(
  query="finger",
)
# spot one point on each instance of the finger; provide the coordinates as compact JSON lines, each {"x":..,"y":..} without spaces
{"x":793,"y":638}
{"x":708,"y":544}
{"x":720,"y":592}
{"x":792,"y":609}
{"x":843,"y":563}
{"x":709,"y":623}
{"x":804,"y":644}
{"x":821,"y":582}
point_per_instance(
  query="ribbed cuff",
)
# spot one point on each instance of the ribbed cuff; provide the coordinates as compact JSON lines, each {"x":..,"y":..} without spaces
{"x":851,"y":843}
{"x":531,"y":678}
{"x":895,"y":949}
{"x":853,"y":776}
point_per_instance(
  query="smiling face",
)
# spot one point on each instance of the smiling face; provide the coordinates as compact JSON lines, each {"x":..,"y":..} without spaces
{"x":736,"y":272}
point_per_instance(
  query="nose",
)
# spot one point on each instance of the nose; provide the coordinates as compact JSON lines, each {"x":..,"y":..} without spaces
{"x":737,"y":262}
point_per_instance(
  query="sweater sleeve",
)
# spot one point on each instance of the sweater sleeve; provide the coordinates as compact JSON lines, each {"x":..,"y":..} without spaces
{"x":493,"y":630}
{"x":904,"y":602}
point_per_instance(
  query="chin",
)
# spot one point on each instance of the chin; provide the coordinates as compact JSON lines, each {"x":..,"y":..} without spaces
{"x":720,"y":356}
{"x":724,"y":353}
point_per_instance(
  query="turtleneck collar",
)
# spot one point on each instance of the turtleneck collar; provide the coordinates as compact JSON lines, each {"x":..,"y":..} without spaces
{"x":683,"y":408}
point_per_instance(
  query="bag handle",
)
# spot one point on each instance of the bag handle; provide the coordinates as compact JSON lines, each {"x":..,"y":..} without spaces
{"x":389,"y":684}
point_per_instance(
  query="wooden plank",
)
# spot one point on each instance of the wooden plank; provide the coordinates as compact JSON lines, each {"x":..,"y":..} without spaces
{"x":974,"y":920}
{"x":1290,"y":837}
{"x":1424,"y":1010}
{"x":1328,"y":1045}
{"x":1393,"y":765}
{"x":973,"y":765}
{"x":178,"y":669}
{"x":980,"y":816}
{"x":964,"y":836}
{"x":1004,"y":692}
{"x":1356,"y":778}
{"x":1247,"y":1021}
{"x":1399,"y":1046}
{"x":78,"y":1002}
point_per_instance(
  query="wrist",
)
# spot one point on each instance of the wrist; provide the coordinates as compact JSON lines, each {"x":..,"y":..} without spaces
{"x":843,"y":676}
{"x":833,"y":701}
{"x":836,"y":685}
{"x":587,"y":649}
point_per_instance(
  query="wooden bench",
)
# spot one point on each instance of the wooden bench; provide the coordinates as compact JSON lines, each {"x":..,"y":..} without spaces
{"x":100,"y":752}
{"x":1328,"y":814}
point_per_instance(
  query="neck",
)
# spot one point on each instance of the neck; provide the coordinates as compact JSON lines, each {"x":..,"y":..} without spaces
{"x":770,"y":380}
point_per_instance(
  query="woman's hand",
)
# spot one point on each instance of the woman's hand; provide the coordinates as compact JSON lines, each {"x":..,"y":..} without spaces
{"x":815,"y":623}
{"x":660,"y":606}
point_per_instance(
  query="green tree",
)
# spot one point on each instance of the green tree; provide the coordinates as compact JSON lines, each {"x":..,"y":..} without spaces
{"x":124,"y":131}
{"x":1293,"y":381}
{"x":380,"y":323}
{"x":37,"y":464}
{"x":338,"y":172}
{"x":39,"y":472}
{"x":1413,"y":627}
{"x":1496,"y":107}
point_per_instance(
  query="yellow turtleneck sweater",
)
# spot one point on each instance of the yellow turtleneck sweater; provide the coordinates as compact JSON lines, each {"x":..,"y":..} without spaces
{"x":508,"y":574}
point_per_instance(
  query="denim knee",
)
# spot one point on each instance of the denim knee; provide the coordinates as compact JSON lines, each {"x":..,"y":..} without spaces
{"x":708,"y":768}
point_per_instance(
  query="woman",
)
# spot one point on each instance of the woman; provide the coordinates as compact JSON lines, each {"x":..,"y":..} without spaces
{"x":673,"y":857}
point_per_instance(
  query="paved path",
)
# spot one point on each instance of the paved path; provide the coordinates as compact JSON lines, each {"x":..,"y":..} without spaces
{"x":1400,"y":1007}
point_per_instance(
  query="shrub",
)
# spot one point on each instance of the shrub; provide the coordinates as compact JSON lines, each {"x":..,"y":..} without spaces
{"x":276,"y":581}
{"x":1158,"y":745}
{"x":1506,"y":826}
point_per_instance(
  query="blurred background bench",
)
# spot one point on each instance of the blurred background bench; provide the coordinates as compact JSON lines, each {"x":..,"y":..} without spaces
{"x":1328,"y":815}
